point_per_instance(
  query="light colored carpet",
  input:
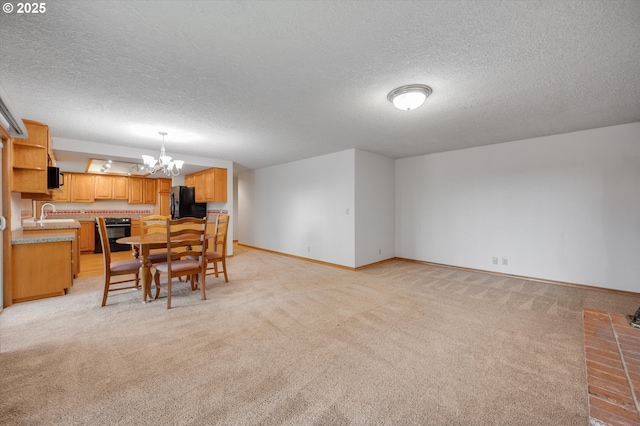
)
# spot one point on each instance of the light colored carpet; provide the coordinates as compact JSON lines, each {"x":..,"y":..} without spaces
{"x":293,"y":342}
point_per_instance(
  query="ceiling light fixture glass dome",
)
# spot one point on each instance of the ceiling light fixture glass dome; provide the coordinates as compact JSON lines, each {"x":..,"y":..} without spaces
{"x":410,"y":96}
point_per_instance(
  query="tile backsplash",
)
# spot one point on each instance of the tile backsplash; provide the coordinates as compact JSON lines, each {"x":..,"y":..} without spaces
{"x":90,"y":214}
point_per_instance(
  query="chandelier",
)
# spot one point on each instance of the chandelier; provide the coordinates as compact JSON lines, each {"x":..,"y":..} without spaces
{"x":168,"y":166}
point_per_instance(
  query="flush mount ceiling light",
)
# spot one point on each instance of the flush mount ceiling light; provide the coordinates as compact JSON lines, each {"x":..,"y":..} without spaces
{"x":410,"y":96}
{"x":168,"y":166}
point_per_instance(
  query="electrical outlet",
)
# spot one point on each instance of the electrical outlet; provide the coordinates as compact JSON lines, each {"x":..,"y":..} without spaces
{"x":379,"y":251}
{"x":495,"y":260}
{"x":505,"y":261}
{"x":309,"y":249}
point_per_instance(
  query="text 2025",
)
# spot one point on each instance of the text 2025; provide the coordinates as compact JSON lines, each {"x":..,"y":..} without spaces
{"x":31,"y":8}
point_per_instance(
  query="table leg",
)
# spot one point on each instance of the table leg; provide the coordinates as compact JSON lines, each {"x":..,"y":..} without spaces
{"x":145,"y":274}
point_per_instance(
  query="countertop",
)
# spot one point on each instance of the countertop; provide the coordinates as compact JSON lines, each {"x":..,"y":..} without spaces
{"x":30,"y":225}
{"x":20,"y":237}
{"x":65,"y":227}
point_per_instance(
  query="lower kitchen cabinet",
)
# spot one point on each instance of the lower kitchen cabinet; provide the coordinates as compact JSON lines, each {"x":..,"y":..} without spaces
{"x":87,"y":236}
{"x":75,"y":249}
{"x":50,"y":276}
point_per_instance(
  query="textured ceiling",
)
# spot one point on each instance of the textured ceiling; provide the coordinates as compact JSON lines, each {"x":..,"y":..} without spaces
{"x":267,"y":82}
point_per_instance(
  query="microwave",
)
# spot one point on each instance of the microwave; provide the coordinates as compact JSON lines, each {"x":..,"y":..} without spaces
{"x":55,"y":179}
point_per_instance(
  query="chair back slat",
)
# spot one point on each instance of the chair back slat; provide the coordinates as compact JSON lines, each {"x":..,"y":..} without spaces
{"x":217,"y":248}
{"x":187,"y":234}
{"x":220,"y":239}
{"x":153,"y":224}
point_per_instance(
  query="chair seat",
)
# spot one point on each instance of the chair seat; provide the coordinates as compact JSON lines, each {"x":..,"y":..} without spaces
{"x":178,"y":265}
{"x":159,"y":257}
{"x":125,"y":265}
{"x":211,"y":255}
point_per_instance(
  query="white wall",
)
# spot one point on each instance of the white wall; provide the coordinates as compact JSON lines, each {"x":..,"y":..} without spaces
{"x":234,"y":218}
{"x":564,"y":207}
{"x":17,"y":206}
{"x":374,"y":208}
{"x":299,"y":208}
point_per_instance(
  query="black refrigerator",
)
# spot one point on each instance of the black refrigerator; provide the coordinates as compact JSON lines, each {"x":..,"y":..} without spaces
{"x":183,"y":203}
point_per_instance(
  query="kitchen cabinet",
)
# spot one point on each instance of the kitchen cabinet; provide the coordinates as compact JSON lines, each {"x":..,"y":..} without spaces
{"x":103,"y":187}
{"x":164,"y":201}
{"x":87,"y":242}
{"x":202,"y":190}
{"x":136,"y":190}
{"x":63,"y":194}
{"x":189,"y":180}
{"x":210,"y":185}
{"x":111,"y":187}
{"x":82,"y":188}
{"x":164,"y":186}
{"x":135,"y":227}
{"x":51,"y":277}
{"x":75,"y":249}
{"x":164,"y":196}
{"x":30,"y":159}
{"x":120,"y":187}
{"x":149,"y":195}
{"x":142,"y":191}
{"x":220,"y":185}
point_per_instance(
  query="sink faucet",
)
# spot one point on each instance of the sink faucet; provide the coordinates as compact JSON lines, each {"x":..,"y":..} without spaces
{"x":43,"y":214}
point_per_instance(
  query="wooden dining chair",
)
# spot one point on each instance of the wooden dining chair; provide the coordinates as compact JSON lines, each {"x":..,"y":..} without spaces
{"x":217,"y":250}
{"x":154,"y":224}
{"x":117,"y":268}
{"x":216,"y":253}
{"x":186,"y":240}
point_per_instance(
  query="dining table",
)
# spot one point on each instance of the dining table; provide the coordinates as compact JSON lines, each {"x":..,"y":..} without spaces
{"x":141,"y":245}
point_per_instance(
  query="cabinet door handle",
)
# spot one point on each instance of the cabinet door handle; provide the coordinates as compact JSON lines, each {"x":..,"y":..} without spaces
{"x":3,"y":223}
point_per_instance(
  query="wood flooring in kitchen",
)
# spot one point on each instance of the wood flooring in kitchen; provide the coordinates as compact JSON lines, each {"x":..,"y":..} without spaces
{"x":92,"y":264}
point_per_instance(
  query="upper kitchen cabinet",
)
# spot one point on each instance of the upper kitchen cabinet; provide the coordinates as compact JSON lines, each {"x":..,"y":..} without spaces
{"x":136,"y":190}
{"x":82,"y":188}
{"x":142,"y":191}
{"x":30,"y":159}
{"x":210,"y":185}
{"x":164,"y":196}
{"x":111,"y":187}
{"x":204,"y":189}
{"x":150,"y":192}
{"x":120,"y":187}
{"x":63,"y":194}
{"x":164,"y":186}
{"x":220,"y":185}
{"x":190,"y":181}
{"x":103,"y":187}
